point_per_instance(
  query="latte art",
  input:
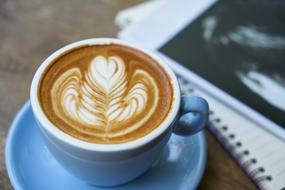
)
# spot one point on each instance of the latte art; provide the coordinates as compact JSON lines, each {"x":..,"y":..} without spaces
{"x":105,"y":93}
{"x":102,"y":96}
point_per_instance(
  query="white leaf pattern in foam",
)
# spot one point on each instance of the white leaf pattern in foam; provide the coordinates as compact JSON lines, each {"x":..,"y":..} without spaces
{"x":103,"y":95}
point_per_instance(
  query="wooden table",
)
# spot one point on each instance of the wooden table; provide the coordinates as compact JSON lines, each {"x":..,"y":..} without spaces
{"x":31,"y":30}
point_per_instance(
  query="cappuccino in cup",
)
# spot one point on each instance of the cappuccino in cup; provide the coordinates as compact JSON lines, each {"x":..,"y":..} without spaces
{"x":105,"y":93}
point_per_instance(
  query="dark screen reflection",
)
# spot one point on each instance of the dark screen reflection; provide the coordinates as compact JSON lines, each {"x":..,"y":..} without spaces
{"x":240,"y":47}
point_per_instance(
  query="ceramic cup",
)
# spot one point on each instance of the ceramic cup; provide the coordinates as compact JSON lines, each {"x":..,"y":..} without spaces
{"x":115,"y":164}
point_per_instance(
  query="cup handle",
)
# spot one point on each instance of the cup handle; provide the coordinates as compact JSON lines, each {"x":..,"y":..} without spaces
{"x":193,"y":116}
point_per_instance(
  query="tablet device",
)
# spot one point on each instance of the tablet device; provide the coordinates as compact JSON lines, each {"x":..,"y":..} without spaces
{"x":235,"y":50}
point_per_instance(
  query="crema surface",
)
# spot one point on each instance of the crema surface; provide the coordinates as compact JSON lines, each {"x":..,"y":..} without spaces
{"x":105,"y":93}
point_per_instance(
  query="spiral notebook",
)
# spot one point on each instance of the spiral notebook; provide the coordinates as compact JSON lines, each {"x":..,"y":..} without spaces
{"x":258,"y":152}
{"x":257,"y":38}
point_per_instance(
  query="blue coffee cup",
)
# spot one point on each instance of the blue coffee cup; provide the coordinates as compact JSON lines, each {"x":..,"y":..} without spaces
{"x":115,"y":164}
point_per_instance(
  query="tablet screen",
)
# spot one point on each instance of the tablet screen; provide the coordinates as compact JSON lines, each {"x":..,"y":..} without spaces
{"x":239,"y":46}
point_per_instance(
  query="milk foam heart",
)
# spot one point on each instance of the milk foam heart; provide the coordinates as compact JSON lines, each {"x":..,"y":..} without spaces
{"x":102,"y":96}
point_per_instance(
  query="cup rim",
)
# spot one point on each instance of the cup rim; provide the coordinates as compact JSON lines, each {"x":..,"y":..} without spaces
{"x":60,"y":135}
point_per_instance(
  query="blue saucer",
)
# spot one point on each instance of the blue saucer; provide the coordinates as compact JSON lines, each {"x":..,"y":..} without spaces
{"x":31,"y":166}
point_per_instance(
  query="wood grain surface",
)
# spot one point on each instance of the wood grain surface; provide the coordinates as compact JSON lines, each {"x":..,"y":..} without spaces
{"x":30,"y":30}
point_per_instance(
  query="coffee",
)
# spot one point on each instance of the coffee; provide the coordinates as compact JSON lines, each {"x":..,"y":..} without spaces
{"x":105,"y":94}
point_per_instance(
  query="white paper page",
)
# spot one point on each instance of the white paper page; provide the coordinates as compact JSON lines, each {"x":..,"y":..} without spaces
{"x":154,"y":35}
{"x":131,"y":15}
